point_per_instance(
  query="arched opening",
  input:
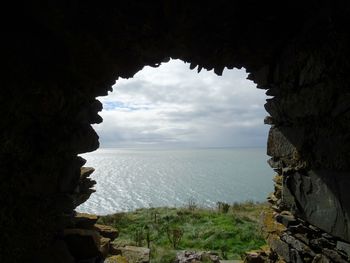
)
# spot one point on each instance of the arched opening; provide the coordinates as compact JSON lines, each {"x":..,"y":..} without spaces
{"x":173,"y":138}
{"x":171,"y":134}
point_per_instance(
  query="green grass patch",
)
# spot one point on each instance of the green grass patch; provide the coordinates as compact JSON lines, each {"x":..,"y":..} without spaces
{"x":229,"y":231}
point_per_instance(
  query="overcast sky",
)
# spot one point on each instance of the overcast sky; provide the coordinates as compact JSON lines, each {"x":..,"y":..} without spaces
{"x":173,"y":106}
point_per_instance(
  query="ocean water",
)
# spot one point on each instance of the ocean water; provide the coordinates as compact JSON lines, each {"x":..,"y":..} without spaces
{"x":128,"y":179}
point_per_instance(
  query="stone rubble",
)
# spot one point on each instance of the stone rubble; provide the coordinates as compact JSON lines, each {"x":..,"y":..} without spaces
{"x":196,"y":257}
{"x":88,"y":241}
{"x":135,"y":254}
{"x":257,"y":256}
{"x":293,"y":239}
{"x":106,"y":231}
{"x":116,"y":259}
{"x":84,"y":188}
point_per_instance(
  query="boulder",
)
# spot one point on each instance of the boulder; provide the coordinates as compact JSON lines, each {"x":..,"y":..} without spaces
{"x":107,"y":231}
{"x":296,"y":244}
{"x":84,"y":188}
{"x":86,"y":221}
{"x":282,"y":145}
{"x":85,"y":172}
{"x":345,"y":247}
{"x":104,"y":246}
{"x":114,"y":249}
{"x":321,"y":198}
{"x":254,"y":257}
{"x":286,"y":219}
{"x":196,"y":257}
{"x":116,"y":259}
{"x":258,"y":256}
{"x":334,"y":256}
{"x":280,"y":247}
{"x":135,"y":254}
{"x":272,"y":199}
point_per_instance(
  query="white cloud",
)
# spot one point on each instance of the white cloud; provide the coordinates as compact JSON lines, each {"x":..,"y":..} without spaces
{"x":174,"y":106}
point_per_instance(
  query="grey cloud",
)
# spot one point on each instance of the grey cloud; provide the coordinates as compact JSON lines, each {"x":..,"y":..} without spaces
{"x":172,"y":105}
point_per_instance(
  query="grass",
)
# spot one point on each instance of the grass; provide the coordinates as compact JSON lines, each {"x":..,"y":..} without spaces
{"x":229,"y":230}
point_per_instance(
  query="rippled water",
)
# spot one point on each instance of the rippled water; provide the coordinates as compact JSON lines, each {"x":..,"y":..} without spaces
{"x":133,"y":178}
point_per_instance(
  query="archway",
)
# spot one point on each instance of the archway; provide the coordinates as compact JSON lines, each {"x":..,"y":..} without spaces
{"x":165,"y":131}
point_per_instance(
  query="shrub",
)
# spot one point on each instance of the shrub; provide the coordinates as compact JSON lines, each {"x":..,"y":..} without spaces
{"x":165,"y":230}
{"x":223,"y":207}
{"x":163,"y":256}
{"x":191,"y":204}
{"x":139,"y":236}
{"x":174,"y":235}
{"x":112,"y":219}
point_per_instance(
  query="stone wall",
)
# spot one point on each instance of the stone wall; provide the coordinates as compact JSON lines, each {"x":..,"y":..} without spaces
{"x":60,"y":56}
{"x":309,"y":145}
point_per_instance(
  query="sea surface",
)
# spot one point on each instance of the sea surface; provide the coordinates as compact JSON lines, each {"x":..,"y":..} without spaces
{"x":128,"y":179}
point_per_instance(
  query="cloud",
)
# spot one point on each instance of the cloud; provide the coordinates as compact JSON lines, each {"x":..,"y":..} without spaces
{"x":174,"y":106}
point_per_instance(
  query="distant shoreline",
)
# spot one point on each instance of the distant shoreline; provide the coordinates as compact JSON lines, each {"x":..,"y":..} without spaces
{"x":178,"y":148}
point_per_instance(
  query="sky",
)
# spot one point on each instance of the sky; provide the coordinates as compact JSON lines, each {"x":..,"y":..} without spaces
{"x":173,"y":106}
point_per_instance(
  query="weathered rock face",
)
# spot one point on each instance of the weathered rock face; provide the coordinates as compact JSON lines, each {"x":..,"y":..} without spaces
{"x":136,"y":254}
{"x":59,"y":58}
{"x":322,"y":197}
{"x":309,"y":146}
{"x":87,"y":241}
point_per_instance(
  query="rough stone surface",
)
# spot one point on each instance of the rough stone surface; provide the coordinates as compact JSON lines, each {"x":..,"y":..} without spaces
{"x":58,"y":58}
{"x":84,"y":188}
{"x":196,"y":257}
{"x":104,"y":246}
{"x":107,"y":231}
{"x":320,"y":259}
{"x":280,"y":247}
{"x":270,"y":225}
{"x":320,"y":196}
{"x":135,"y":254}
{"x":116,"y":259}
{"x":344,"y":247}
{"x":255,"y":257}
{"x":83,"y":244}
{"x":298,"y":240}
{"x":83,"y":220}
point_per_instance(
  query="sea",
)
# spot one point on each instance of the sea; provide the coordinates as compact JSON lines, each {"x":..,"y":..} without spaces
{"x":128,"y":179}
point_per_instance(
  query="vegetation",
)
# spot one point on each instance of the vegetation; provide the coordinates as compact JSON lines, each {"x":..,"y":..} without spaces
{"x":229,"y":230}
